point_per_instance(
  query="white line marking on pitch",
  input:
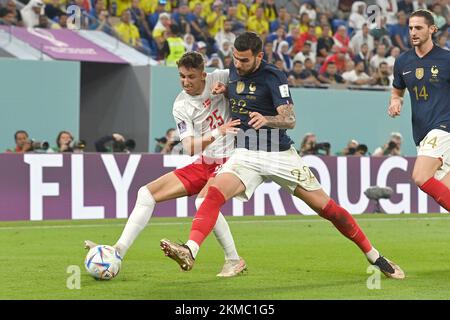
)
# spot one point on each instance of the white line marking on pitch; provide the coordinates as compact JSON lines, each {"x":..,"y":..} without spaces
{"x":232,"y":222}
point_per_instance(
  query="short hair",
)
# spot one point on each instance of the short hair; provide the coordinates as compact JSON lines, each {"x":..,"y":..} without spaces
{"x":248,"y":41}
{"x":382,"y":63}
{"x":19,"y":132}
{"x":426,"y":14}
{"x":192,"y":60}
{"x":297,"y":62}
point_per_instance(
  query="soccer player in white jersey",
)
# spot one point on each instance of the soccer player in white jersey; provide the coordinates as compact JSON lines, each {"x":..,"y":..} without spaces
{"x":203,"y":120}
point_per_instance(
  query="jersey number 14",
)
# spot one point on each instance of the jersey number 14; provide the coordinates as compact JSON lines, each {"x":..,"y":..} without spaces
{"x":421,"y":94}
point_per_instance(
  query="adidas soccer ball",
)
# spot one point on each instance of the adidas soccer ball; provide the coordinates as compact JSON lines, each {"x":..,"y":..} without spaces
{"x":103,"y":262}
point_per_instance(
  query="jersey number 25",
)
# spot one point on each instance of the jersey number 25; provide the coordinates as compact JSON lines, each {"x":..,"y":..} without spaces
{"x":215,"y":120}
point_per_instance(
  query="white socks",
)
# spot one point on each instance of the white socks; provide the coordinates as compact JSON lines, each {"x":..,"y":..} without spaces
{"x":142,"y":211}
{"x":223,"y":236}
{"x":373,"y":255}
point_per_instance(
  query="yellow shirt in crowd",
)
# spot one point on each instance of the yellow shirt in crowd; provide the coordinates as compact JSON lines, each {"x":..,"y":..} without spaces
{"x":258,"y":26}
{"x":128,"y":33}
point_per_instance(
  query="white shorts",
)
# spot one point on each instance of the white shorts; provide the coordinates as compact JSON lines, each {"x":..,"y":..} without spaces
{"x":286,"y":168}
{"x":437,"y":145}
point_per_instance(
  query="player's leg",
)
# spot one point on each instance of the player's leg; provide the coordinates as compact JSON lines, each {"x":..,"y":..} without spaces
{"x":423,"y":175}
{"x":234,"y":264}
{"x":164,"y":188}
{"x":320,"y":202}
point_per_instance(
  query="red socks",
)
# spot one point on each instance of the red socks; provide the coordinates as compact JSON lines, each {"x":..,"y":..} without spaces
{"x":346,"y":224}
{"x":206,"y":216}
{"x":438,"y":191}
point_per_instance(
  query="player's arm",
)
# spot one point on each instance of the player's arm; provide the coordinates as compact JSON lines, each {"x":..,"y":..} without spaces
{"x":195,"y":145}
{"x":396,"y":103}
{"x":284,"y":120}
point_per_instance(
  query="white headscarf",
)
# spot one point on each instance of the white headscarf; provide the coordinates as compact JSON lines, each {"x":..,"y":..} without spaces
{"x":189,"y":47}
{"x":29,"y":17}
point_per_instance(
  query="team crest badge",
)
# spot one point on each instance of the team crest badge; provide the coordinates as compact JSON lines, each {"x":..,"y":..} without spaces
{"x":240,"y":87}
{"x":419,"y":73}
{"x":252,"y":88}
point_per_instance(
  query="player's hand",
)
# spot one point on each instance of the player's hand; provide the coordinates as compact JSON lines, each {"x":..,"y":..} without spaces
{"x":230,"y":127}
{"x":219,"y":88}
{"x":395,"y":108}
{"x":257,"y":120}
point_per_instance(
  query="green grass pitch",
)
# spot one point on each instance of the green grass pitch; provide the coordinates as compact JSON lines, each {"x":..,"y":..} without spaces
{"x":291,"y":257}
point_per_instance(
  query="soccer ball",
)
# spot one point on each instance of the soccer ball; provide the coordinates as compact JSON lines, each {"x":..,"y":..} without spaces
{"x":103,"y":262}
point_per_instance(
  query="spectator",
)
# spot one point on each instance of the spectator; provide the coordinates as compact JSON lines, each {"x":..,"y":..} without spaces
{"x":442,"y":41}
{"x":327,"y":7}
{"x":31,"y":12}
{"x":364,"y":55}
{"x":277,"y":37}
{"x":341,"y":39}
{"x":11,"y":5}
{"x":361,"y":150}
{"x":53,"y":10}
{"x":7,"y":17}
{"x":189,"y":42}
{"x":295,"y":75}
{"x":400,"y":33}
{"x":140,"y":21}
{"x":308,"y":8}
{"x":324,"y":44}
{"x":305,"y":23}
{"x":102,"y":23}
{"x":380,"y":33}
{"x":166,"y":145}
{"x":357,"y":18}
{"x":64,"y":142}
{"x":23,"y":143}
{"x":128,"y":32}
{"x":339,"y":59}
{"x":383,"y":76}
{"x":308,"y":144}
{"x":237,"y":26}
{"x":181,"y":19}
{"x":283,"y":53}
{"x":153,"y":17}
{"x":226,"y":50}
{"x":174,"y":46}
{"x":420,"y":4}
{"x":309,"y":75}
{"x":391,"y":148}
{"x":253,"y":7}
{"x":258,"y":23}
{"x":389,"y":9}
{"x":360,"y":37}
{"x":306,"y":53}
{"x":225,"y":34}
{"x":215,"y":62}
{"x":199,"y":28}
{"x":270,"y":10}
{"x":379,"y":57}
{"x":281,"y":21}
{"x":280,"y":65}
{"x":242,"y":11}
{"x":216,"y":19}
{"x":350,"y":148}
{"x":202,"y":49}
{"x":438,"y":15}
{"x":162,"y":25}
{"x":43,"y":22}
{"x":310,"y":36}
{"x":406,"y":6}
{"x":331,"y":76}
{"x":357,"y":76}
{"x":395,"y":52}
{"x":269,"y":55}
{"x":62,"y":20}
{"x":119,"y":144}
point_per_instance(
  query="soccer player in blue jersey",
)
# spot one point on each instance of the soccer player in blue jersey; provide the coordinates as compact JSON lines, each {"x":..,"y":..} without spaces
{"x":259,"y":96}
{"x":425,"y":72}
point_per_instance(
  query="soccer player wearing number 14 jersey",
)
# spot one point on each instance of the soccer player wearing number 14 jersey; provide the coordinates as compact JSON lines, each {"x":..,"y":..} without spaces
{"x":425,"y":72}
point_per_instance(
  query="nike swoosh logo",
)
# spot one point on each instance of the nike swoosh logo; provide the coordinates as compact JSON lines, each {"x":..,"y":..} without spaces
{"x":405,"y":73}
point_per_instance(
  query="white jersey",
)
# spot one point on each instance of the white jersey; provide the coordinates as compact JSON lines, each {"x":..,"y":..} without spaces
{"x":198,"y":115}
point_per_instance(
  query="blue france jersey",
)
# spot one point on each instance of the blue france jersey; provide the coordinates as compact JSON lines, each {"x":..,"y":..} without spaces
{"x":262,"y":91}
{"x":428,"y":83}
